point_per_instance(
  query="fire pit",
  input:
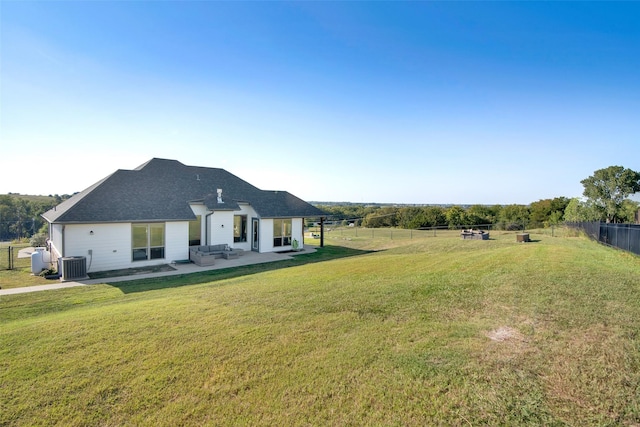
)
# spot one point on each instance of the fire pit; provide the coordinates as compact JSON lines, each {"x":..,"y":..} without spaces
{"x":474,"y":235}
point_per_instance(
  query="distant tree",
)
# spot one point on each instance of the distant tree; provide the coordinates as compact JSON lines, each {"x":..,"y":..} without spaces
{"x":513,"y":217}
{"x":629,"y":210}
{"x":456,"y":217}
{"x":481,"y":215}
{"x":434,"y":216}
{"x":607,"y":189}
{"x":347,"y":211}
{"x":21,"y":216}
{"x":7,"y":215}
{"x":411,"y":217}
{"x":554,"y":219}
{"x":580,"y":211}
{"x":383,"y":217}
{"x":38,"y":240}
{"x":542,"y":210}
{"x":414,"y":217}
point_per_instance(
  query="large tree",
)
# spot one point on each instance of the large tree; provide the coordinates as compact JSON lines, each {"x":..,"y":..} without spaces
{"x":548,"y":211}
{"x":580,"y":211}
{"x":513,"y":217}
{"x":608,"y":188}
{"x":456,"y":217}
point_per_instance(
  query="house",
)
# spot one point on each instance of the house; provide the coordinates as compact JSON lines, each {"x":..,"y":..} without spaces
{"x":154,"y":213}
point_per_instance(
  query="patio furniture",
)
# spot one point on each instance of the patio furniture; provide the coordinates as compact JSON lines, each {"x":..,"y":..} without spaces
{"x":204,"y":255}
{"x":230,"y":254}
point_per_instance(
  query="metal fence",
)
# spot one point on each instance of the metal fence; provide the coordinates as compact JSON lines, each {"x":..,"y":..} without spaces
{"x":7,"y":258}
{"x":621,"y":236}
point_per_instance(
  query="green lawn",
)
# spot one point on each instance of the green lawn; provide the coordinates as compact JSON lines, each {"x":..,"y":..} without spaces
{"x":371,"y":330}
{"x":20,"y":276}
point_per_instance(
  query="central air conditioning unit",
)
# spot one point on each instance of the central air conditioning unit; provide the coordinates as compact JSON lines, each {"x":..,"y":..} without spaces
{"x":73,"y":268}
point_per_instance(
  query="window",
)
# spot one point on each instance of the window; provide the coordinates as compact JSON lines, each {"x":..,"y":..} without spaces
{"x":195,"y":230}
{"x":147,"y":241}
{"x":240,"y":228}
{"x":281,"y":232}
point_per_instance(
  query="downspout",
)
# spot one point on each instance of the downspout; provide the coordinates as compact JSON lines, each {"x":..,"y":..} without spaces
{"x":206,"y":228}
{"x":59,"y":266}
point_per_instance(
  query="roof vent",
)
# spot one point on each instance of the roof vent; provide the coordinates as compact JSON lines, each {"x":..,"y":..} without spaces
{"x":220,"y":195}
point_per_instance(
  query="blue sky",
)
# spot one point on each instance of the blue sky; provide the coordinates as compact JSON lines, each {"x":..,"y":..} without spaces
{"x":405,"y":102}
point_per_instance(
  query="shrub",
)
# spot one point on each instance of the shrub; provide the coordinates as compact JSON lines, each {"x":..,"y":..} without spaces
{"x":38,"y":240}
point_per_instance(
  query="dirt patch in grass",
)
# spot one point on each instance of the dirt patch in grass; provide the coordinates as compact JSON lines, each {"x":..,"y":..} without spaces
{"x":131,"y":271}
{"x":504,"y":333}
{"x":507,"y":345}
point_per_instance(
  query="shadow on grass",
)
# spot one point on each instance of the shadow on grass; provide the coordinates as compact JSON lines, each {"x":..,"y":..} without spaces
{"x":322,"y":254}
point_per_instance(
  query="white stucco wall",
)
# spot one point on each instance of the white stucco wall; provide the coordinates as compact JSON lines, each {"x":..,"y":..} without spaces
{"x":110,"y":245}
{"x":55,"y":236}
{"x":297,"y":231}
{"x":266,"y":235}
{"x":221,"y":230}
{"x":177,"y":241}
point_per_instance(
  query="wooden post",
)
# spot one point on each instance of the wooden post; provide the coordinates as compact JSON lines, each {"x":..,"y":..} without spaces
{"x":322,"y":232}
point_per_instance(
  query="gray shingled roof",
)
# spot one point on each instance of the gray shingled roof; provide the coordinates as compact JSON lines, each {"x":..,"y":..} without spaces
{"x":161,"y":190}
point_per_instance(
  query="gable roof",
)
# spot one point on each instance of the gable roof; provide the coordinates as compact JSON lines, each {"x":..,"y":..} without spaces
{"x":161,"y":190}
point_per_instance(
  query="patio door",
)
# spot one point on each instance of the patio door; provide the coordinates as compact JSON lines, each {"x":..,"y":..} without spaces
{"x":255,"y":246}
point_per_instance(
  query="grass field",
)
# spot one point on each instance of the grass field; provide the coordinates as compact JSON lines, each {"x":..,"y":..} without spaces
{"x":367,"y":331}
{"x":20,"y":276}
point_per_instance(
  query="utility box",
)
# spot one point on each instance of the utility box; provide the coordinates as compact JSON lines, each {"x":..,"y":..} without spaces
{"x":73,"y":268}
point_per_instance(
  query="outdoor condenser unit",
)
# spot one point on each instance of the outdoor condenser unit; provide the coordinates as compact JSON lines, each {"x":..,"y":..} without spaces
{"x":73,"y":268}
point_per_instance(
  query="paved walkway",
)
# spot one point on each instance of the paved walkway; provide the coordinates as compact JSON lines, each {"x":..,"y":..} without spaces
{"x":248,"y":258}
{"x":59,"y":285}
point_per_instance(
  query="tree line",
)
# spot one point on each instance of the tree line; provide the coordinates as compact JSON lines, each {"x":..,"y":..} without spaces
{"x":605,"y":198}
{"x":21,"y":216}
{"x":509,"y":217}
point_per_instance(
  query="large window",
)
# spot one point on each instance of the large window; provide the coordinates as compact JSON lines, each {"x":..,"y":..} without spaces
{"x":281,"y":232}
{"x":240,"y":228}
{"x":147,"y":241}
{"x":195,"y":230}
